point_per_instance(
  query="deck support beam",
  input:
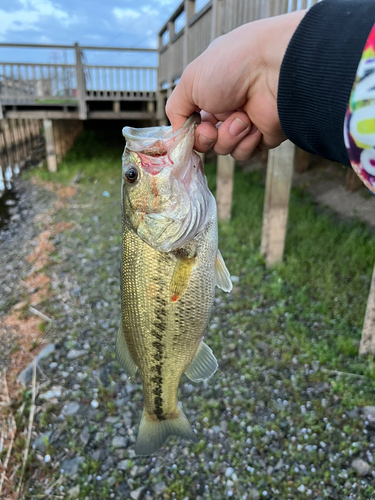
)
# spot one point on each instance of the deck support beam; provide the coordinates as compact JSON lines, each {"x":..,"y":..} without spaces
{"x":276,"y":203}
{"x":224,"y":187}
{"x":50,"y":145}
{"x":367,"y":345}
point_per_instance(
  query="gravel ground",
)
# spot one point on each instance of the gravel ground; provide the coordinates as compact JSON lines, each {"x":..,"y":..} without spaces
{"x":17,"y":236}
{"x":270,"y":425}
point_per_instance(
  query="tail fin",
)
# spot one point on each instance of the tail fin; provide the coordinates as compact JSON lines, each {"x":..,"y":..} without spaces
{"x":153,"y":434}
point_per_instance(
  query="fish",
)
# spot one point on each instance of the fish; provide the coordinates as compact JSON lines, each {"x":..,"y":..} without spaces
{"x":170,"y":267}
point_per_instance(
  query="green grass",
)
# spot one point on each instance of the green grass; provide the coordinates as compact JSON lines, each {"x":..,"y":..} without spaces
{"x":97,"y":160}
{"x":57,"y":101}
{"x":324,"y":279}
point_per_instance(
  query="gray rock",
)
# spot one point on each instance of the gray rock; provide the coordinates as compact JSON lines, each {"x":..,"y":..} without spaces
{"x":85,"y":436}
{"x":74,"y":492}
{"x":216,"y":429}
{"x":40,"y":443}
{"x":112,"y":420}
{"x":353,"y":413}
{"x":98,"y":455}
{"x":111,"y":481}
{"x":369,"y":411}
{"x":26,"y":375}
{"x":224,"y":425}
{"x":72,"y":409}
{"x":159,"y":488}
{"x":75,"y":354}
{"x":124,"y":465}
{"x":138,"y":494}
{"x":108,"y":464}
{"x":71,"y":466}
{"x":119,"y":442}
{"x":362,"y":467}
{"x":229,"y":471}
{"x":52,"y":393}
{"x":254,"y":494}
{"x":280,"y":464}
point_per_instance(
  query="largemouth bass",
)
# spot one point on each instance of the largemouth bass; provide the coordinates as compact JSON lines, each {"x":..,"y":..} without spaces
{"x":170,"y":267}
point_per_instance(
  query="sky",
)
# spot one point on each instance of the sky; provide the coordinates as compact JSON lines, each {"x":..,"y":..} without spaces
{"x":132,"y":23}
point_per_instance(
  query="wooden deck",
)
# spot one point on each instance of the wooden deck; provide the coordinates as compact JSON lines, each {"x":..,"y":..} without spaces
{"x":77,"y":91}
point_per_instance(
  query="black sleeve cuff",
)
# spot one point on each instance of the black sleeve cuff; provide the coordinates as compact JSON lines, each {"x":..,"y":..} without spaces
{"x":318,"y":72}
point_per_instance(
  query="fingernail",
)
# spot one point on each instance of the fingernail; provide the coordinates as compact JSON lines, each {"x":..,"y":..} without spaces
{"x":237,"y":127}
{"x":205,"y":142}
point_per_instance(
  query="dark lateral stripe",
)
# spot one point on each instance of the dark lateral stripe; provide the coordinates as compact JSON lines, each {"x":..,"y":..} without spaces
{"x":159,"y":326}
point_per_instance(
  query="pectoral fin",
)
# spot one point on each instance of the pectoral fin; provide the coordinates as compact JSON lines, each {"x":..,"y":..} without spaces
{"x":222,"y":275}
{"x":181,"y":277}
{"x":123,"y":355}
{"x":203,"y":366}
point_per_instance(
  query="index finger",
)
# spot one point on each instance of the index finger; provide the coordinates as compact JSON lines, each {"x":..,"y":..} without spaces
{"x":180,"y":104}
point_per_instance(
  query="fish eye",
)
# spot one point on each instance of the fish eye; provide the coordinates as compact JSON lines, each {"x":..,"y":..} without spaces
{"x":131,"y":175}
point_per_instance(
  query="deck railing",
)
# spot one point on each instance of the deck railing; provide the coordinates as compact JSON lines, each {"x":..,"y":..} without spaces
{"x":109,"y":82}
{"x":74,"y":84}
{"x":37,"y":82}
{"x":215,"y":18}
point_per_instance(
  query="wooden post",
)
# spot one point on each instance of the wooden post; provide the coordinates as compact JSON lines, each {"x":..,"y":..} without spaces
{"x":116,"y":106}
{"x":301,"y":160}
{"x":81,"y":84}
{"x":224,"y":188}
{"x":367,"y":345}
{"x":189,"y":8}
{"x":50,"y":146}
{"x":276,"y":203}
{"x":215,"y":23}
{"x":57,"y":141}
{"x":8,"y":143}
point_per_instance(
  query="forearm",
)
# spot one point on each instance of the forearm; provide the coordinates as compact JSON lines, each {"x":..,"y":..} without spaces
{"x":318,"y":72}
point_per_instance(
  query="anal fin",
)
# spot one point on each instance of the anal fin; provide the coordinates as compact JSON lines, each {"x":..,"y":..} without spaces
{"x":203,"y":366}
{"x":222,"y":275}
{"x":123,"y":355}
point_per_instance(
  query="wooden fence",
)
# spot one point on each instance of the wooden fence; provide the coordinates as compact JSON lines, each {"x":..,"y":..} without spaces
{"x":184,"y":37}
{"x":20,"y":141}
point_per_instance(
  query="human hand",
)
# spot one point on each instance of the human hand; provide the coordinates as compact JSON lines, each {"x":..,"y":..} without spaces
{"x":234,"y":85}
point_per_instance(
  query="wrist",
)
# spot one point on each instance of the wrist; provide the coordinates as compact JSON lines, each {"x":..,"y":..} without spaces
{"x":276,"y":38}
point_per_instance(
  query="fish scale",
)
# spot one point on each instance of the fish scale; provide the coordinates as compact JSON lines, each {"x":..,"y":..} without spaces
{"x":186,"y":319}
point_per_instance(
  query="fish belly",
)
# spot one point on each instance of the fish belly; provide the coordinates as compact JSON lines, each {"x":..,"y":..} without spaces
{"x":162,"y":335}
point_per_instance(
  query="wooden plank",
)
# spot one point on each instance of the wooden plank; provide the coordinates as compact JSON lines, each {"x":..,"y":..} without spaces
{"x":50,"y":146}
{"x":276,"y":203}
{"x":367,"y":345}
{"x":224,"y":187}
{"x":43,"y":115}
{"x":130,"y":115}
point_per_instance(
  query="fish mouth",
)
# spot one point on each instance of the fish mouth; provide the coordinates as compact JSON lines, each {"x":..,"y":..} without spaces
{"x":153,"y":161}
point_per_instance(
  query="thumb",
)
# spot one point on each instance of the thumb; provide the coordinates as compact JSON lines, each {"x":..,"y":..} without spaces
{"x":180,"y":104}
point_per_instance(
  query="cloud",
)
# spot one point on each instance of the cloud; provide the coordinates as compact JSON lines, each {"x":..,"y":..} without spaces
{"x":30,"y":15}
{"x":126,"y":14}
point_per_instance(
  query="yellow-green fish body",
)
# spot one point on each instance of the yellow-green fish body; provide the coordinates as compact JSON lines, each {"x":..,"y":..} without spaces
{"x":168,"y":279}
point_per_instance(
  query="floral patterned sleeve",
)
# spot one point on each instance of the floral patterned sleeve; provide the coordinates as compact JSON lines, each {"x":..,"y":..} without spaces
{"x":359,"y":127}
